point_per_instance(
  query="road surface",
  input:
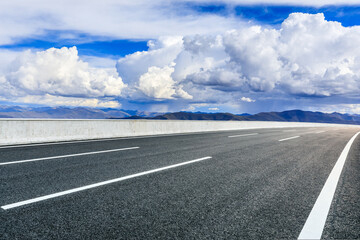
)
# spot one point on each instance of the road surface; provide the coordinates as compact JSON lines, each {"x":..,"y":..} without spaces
{"x":248,"y":184}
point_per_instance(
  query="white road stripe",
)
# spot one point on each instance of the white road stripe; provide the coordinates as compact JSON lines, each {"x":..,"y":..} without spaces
{"x":291,"y":130}
{"x":315,"y":222}
{"x":64,"y":156}
{"x":38,"y":199}
{"x":243,"y":135}
{"x":285,"y":139}
{"x":307,"y":133}
{"x":312,"y":132}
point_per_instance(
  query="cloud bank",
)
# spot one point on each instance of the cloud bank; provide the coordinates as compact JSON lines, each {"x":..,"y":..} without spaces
{"x":308,"y":57}
{"x":114,"y":19}
{"x":58,"y":74}
{"x":308,"y":61}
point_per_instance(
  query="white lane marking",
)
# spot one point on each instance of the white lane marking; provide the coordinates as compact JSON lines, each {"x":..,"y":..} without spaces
{"x":243,"y":135}
{"x":291,"y":130}
{"x":285,"y":139}
{"x":312,"y":132}
{"x":38,"y":199}
{"x":64,"y":156}
{"x":306,"y":133}
{"x":315,"y":222}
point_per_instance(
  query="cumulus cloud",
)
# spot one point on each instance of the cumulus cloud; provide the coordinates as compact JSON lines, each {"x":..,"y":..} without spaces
{"x":151,"y":71}
{"x":161,"y":53}
{"x":157,"y":83}
{"x":60,"y":73}
{"x":245,"y":99}
{"x":307,"y":57}
{"x":123,"y":19}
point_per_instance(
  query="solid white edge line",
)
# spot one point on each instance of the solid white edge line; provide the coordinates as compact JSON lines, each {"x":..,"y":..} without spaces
{"x":64,"y":156}
{"x":38,"y":199}
{"x":288,"y":138}
{"x":316,"y":220}
{"x":243,"y":135}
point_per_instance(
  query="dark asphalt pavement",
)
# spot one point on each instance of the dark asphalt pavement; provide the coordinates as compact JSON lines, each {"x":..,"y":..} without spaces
{"x":253,"y":187}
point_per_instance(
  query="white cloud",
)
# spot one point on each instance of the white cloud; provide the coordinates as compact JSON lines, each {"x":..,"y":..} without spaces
{"x":245,"y":99}
{"x":6,"y":57}
{"x":320,"y":58}
{"x":214,"y":109}
{"x":61,"y":72}
{"x":157,"y":83}
{"x":307,"y":57}
{"x":161,"y":53}
{"x":58,"y":75}
{"x":253,"y":52}
{"x":139,"y":19}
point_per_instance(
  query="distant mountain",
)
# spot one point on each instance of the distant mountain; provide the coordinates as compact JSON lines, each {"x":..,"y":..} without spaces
{"x":244,"y":114}
{"x":110,"y":113}
{"x":70,"y":113}
{"x":286,"y":116}
{"x":306,"y":116}
{"x":201,"y":116}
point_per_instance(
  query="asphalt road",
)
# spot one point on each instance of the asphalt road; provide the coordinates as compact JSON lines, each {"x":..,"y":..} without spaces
{"x":253,"y":186}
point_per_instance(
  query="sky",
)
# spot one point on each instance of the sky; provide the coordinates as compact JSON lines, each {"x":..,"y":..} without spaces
{"x":237,"y":56}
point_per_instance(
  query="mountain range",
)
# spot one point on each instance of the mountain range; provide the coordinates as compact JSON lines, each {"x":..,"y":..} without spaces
{"x":110,"y":113}
{"x":70,"y":113}
{"x":286,"y":116}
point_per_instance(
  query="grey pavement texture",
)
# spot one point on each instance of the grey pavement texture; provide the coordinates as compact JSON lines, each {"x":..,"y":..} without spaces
{"x":254,"y":187}
{"x":344,"y":216}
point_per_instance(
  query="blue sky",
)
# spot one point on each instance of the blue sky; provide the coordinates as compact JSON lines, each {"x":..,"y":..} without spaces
{"x":263,"y":14}
{"x":235,"y":56}
{"x":86,"y":44}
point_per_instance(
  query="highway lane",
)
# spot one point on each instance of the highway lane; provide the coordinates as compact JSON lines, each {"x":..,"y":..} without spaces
{"x":62,"y":174}
{"x":253,"y":186}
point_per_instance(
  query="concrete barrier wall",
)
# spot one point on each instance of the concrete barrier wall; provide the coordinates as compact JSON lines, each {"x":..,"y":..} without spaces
{"x":19,"y":131}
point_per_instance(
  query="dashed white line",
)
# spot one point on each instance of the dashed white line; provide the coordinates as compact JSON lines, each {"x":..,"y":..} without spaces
{"x":304,"y":133}
{"x":320,"y":132}
{"x":64,"y":156}
{"x":290,"y":130}
{"x":285,"y":139}
{"x":38,"y":199}
{"x":315,"y":222}
{"x":243,"y":135}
